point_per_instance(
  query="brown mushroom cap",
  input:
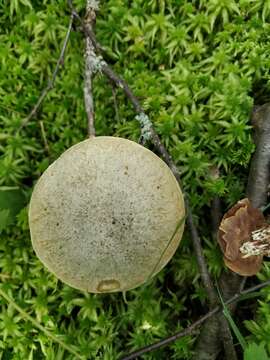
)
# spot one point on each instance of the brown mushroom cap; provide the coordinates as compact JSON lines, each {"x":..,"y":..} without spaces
{"x":235,"y":229}
{"x":105,"y":215}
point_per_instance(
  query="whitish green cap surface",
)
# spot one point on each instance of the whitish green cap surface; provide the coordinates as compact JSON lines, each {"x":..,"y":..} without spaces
{"x":106,"y":215}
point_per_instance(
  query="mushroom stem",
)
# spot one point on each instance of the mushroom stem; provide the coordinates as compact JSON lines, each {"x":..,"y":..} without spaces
{"x":259,"y":243}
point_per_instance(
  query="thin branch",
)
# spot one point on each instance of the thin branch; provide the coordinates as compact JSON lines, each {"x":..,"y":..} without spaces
{"x":115,"y":104}
{"x":221,"y":322}
{"x":90,"y":69}
{"x":216,"y":216}
{"x":189,"y":330}
{"x":217,"y":327}
{"x":119,"y":82}
{"x":51,"y":81}
{"x":88,"y":31}
{"x":207,"y":282}
{"x":122,"y":84}
{"x":115,"y":79}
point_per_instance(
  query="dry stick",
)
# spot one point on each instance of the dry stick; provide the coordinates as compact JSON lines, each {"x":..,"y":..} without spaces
{"x":113,"y":77}
{"x":94,"y":4}
{"x":258,"y":182}
{"x":219,"y":323}
{"x":216,"y":216}
{"x":51,"y":81}
{"x":204,"y":272}
{"x":207,"y":282}
{"x":204,"y":350}
{"x":90,"y":68}
{"x":189,"y":330}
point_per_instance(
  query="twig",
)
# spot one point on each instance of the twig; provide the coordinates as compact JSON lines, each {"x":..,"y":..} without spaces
{"x":189,"y":330}
{"x":216,"y":216}
{"x":90,"y":67}
{"x":220,"y":323}
{"x":207,"y":282}
{"x":102,"y":66}
{"x":87,"y":31}
{"x":119,"y":82}
{"x":115,"y":104}
{"x":51,"y":81}
{"x":205,"y":347}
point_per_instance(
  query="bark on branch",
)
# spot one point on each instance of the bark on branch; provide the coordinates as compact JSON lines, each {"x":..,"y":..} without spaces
{"x":90,"y":65}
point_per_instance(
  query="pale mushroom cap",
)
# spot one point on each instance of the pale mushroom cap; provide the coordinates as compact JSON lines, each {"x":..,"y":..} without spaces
{"x":106,"y":215}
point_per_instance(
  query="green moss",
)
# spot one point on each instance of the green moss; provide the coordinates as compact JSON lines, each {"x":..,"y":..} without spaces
{"x":196,"y":68}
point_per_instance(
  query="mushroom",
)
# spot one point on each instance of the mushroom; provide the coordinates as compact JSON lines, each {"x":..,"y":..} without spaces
{"x":244,"y":238}
{"x":107,"y":215}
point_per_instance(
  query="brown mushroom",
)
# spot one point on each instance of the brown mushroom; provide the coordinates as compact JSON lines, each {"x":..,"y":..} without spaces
{"x":236,"y":229}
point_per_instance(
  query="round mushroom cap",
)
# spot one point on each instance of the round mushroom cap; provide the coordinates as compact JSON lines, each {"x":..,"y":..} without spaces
{"x":107,"y":215}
